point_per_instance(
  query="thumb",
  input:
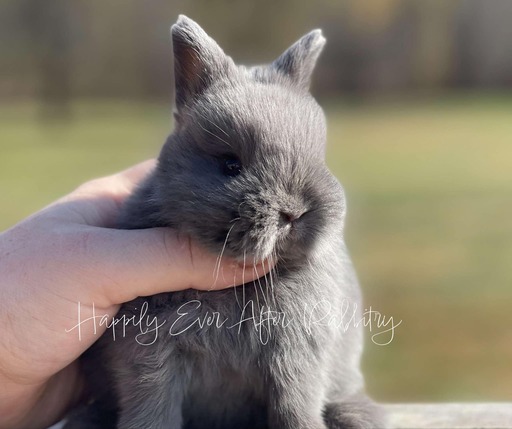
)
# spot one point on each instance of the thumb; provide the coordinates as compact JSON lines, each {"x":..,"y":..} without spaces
{"x":131,"y":263}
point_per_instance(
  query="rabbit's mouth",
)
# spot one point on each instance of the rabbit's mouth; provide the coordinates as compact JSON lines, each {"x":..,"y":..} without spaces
{"x":251,"y":240}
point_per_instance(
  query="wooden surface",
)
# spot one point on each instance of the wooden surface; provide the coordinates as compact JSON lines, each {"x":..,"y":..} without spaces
{"x":463,"y":415}
{"x":456,"y":416}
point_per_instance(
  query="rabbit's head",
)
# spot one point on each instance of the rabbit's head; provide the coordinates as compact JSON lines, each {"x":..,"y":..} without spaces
{"x":244,"y":171}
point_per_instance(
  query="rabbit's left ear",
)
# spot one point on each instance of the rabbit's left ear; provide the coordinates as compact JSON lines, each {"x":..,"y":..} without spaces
{"x":299,"y":60}
{"x":198,"y":61}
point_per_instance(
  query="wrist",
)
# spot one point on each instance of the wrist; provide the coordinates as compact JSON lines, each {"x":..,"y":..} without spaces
{"x":39,"y":406}
{"x":17,"y":403}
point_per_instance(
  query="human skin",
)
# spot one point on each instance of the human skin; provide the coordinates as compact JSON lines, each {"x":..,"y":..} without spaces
{"x":70,"y":252}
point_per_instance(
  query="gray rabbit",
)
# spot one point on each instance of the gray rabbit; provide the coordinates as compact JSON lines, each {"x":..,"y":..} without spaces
{"x":244,"y":174}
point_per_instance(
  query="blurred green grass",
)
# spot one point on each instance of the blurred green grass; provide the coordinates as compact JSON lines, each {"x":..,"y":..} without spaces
{"x":429,"y":224}
{"x":430,"y":195}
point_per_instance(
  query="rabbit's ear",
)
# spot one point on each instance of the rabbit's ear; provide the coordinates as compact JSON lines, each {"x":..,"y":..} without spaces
{"x":198,"y":60}
{"x":299,"y":60}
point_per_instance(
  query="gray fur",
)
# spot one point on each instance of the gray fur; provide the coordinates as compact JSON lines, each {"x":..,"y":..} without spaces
{"x":299,"y":376}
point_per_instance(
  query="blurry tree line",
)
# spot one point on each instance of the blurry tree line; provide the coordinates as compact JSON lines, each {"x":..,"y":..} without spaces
{"x":58,"y":49}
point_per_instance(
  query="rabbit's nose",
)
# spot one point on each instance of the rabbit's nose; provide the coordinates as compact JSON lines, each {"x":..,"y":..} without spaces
{"x":288,"y":217}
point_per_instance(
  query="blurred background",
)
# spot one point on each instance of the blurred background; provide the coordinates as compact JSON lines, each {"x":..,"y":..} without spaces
{"x":419,"y":104}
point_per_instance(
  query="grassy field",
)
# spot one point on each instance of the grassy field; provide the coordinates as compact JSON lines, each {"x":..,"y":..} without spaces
{"x":429,"y":186}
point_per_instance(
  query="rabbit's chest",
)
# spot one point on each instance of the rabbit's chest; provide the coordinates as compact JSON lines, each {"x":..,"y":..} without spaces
{"x":235,"y":329}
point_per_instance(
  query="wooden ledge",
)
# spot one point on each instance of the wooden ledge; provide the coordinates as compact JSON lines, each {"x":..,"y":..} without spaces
{"x":452,"y":415}
{"x":436,"y":416}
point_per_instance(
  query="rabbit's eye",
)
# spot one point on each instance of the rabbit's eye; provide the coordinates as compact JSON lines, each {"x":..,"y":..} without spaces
{"x":231,"y":166}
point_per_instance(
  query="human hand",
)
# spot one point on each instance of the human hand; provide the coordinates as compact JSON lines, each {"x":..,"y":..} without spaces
{"x":70,"y":253}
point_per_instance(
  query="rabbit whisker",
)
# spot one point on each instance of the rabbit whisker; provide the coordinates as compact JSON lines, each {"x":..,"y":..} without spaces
{"x":219,"y":258}
{"x":211,"y":122}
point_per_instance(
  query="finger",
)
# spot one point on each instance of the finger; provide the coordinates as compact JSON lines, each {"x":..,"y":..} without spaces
{"x":98,"y":202}
{"x":131,"y":263}
{"x":132,"y":176}
{"x":118,"y":185}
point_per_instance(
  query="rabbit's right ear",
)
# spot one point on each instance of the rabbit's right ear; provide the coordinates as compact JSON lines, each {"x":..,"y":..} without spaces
{"x":198,"y":60}
{"x":299,"y":60}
